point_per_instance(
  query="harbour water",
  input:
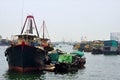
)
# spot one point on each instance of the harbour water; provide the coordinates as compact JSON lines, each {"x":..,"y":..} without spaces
{"x":97,"y":67}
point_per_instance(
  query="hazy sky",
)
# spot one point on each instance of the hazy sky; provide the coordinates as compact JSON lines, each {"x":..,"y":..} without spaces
{"x":65,"y":19}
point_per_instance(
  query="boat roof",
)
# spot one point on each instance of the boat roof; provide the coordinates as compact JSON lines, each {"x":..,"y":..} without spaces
{"x":31,"y":35}
{"x":46,"y":39}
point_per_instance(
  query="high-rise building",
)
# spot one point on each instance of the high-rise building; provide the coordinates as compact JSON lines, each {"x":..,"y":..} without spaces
{"x":115,"y":36}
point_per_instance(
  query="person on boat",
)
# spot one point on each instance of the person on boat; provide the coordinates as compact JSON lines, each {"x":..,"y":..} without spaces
{"x":48,"y":48}
{"x":12,"y":43}
{"x":47,"y":60}
{"x":59,"y":51}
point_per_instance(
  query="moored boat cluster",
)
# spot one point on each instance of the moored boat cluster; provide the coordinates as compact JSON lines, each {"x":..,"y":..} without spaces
{"x":64,"y":62}
{"x":106,"y":47}
{"x":30,"y":52}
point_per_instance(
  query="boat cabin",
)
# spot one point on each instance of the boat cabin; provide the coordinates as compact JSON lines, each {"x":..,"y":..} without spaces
{"x":28,"y":39}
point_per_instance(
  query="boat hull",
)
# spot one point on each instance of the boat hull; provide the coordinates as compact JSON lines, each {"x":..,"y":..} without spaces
{"x":111,"y":52}
{"x":25,"y":58}
{"x":68,"y":67}
{"x":97,"y":51}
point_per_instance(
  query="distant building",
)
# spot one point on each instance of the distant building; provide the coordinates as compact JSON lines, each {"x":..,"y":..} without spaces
{"x":115,"y":36}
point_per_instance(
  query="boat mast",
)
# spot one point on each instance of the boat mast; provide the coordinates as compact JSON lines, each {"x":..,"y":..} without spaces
{"x":31,"y":29}
{"x":32,"y":19}
{"x":43,"y":29}
{"x":44,"y":32}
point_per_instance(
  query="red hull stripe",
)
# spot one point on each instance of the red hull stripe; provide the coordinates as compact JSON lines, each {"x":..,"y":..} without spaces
{"x":21,"y":69}
{"x":24,"y":44}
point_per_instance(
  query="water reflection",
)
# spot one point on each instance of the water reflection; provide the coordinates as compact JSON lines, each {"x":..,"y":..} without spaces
{"x":45,"y":75}
{"x":13,"y":75}
{"x":61,"y":76}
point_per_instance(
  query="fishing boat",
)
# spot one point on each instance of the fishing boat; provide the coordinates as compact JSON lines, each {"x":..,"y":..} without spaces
{"x":4,"y":42}
{"x":70,"y":62}
{"x":111,"y":47}
{"x":25,"y":53}
{"x":97,"y":51}
{"x":45,"y":39}
{"x":47,"y":46}
{"x":97,"y":47}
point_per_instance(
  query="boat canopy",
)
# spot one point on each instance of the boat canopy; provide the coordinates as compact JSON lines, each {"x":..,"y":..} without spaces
{"x":27,"y":36}
{"x":78,"y":53}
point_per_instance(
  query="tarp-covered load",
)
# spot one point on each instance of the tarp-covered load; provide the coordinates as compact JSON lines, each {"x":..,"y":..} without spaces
{"x":67,"y":58}
{"x":54,"y":56}
{"x":111,"y":43}
{"x":78,"y":53}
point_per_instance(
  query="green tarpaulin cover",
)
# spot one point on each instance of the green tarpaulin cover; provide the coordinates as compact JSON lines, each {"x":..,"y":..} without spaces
{"x":78,"y":53}
{"x":65,"y":58}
